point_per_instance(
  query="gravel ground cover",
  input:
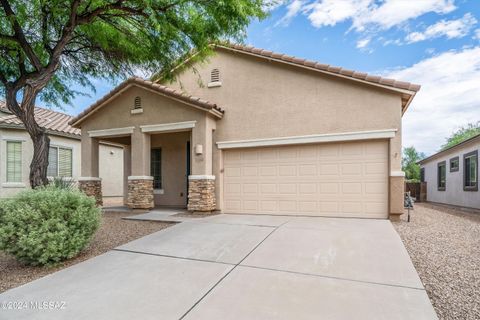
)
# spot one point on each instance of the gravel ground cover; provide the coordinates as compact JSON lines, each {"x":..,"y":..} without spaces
{"x":113,"y":232}
{"x":444,"y":245}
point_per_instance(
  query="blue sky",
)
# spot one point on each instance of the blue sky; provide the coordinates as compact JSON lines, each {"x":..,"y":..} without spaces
{"x":435,"y":43}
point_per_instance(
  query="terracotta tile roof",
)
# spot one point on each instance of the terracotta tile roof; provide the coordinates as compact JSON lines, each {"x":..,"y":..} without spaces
{"x":53,"y":121}
{"x":204,"y":104}
{"x":322,"y":67}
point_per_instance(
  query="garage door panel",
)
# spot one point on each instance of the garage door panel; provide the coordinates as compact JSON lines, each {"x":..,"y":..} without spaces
{"x":341,"y":179}
{"x":269,"y":206}
{"x":251,"y":205}
{"x":353,"y":168}
{"x":250,"y":188}
{"x":268,"y":171}
{"x":329,"y":169}
{"x":287,"y":170}
{"x":328,"y":151}
{"x":287,"y":206}
{"x":307,"y":170}
{"x":307,"y":189}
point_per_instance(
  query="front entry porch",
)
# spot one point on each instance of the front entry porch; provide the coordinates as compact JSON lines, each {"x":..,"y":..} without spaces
{"x":160,"y":162}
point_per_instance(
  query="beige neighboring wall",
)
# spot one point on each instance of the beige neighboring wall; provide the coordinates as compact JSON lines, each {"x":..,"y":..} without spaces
{"x":266,"y":99}
{"x":8,"y":189}
{"x":111,"y":170}
{"x":110,"y":164}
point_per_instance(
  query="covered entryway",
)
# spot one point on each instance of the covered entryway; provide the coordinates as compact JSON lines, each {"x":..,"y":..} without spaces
{"x":348,"y":179}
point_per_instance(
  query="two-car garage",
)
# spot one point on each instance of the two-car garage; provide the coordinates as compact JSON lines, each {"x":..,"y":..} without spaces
{"x":341,"y":179}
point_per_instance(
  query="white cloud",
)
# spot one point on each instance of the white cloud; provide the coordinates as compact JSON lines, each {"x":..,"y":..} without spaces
{"x":330,"y":12}
{"x":292,"y":10}
{"x":449,"y":28}
{"x":366,"y":16}
{"x":449,"y":97}
{"x":362,"y":43}
{"x":394,"y":12}
{"x":477,"y":34}
{"x":370,"y":13}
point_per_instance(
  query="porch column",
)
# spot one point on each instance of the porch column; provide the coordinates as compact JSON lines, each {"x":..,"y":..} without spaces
{"x":89,"y":182}
{"x":201,"y":183}
{"x":127,"y":171}
{"x":140,"y":182}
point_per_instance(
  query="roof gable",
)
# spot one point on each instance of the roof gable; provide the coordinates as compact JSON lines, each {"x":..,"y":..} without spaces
{"x":406,"y":89}
{"x":151,"y":86}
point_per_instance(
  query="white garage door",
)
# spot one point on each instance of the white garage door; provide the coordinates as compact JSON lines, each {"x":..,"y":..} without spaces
{"x":337,"y":179}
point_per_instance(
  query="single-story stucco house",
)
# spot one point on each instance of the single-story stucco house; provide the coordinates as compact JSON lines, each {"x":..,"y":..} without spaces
{"x":16,"y":151}
{"x":257,"y":132}
{"x":452,"y":175}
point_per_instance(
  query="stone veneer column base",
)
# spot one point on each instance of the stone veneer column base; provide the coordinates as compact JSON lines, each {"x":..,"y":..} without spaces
{"x":140,"y":192}
{"x":397,"y":193}
{"x":92,"y":187}
{"x":201,"y":193}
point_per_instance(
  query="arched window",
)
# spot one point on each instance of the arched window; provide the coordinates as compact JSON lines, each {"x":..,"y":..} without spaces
{"x":138,"y":103}
{"x":215,"y":75}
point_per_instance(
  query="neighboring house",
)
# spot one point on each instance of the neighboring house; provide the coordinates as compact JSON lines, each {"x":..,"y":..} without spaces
{"x":16,"y":151}
{"x":452,"y":175}
{"x":251,"y":131}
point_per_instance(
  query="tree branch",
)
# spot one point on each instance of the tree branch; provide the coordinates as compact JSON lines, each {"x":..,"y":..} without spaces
{"x":20,"y":35}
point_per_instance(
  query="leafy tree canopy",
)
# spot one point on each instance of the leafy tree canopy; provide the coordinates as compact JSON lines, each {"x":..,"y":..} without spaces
{"x":462,"y":134}
{"x":409,"y":163}
{"x":46,"y":45}
{"x":109,"y":38}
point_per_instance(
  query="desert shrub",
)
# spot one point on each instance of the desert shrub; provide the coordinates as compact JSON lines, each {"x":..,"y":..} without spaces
{"x":47,"y":225}
{"x":63,"y":183}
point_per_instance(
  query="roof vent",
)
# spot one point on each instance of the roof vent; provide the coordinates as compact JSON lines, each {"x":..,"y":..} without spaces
{"x":137,"y":106}
{"x":214,"y":78}
{"x":138,"y":103}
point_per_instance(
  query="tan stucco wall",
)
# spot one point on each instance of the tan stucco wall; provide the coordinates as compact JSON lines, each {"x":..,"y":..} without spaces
{"x":265,"y":99}
{"x":157,"y":109}
{"x":174,"y":168}
{"x":261,"y":99}
{"x":109,"y":167}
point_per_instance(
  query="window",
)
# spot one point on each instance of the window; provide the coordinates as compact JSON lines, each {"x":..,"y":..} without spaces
{"x":59,"y":162}
{"x":454,"y":164}
{"x":156,"y":167}
{"x":422,"y":174}
{"x":14,"y":161}
{"x":470,"y":172}
{"x":215,"y":75}
{"x":442,"y":175}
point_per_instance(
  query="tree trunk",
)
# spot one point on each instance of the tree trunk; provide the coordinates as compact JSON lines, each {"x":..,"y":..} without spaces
{"x":39,"y":164}
{"x":41,"y":142}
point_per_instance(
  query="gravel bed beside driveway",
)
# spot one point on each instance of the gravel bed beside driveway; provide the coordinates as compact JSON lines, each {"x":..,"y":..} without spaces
{"x":444,"y":245}
{"x":114,"y":231}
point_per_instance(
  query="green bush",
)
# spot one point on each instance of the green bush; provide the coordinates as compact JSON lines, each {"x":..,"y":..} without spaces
{"x":47,"y":225}
{"x":63,"y":183}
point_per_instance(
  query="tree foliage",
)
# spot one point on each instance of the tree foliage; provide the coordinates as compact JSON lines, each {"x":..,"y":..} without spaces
{"x":46,"y":45}
{"x":462,"y":134}
{"x":409,"y":163}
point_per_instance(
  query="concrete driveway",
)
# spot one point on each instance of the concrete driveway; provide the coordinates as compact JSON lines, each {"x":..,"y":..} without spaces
{"x":239,"y":267}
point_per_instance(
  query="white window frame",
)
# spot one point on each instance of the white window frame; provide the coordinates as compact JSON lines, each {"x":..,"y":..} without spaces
{"x":58,"y":147}
{"x":7,"y":141}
